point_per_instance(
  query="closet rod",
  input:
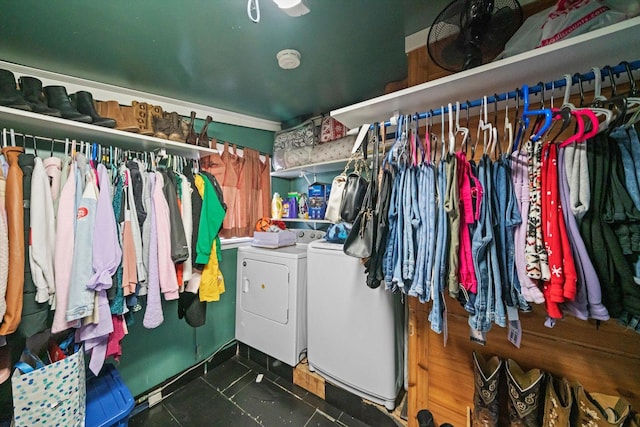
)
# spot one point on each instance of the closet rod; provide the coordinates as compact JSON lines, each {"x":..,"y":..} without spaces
{"x":586,"y":77}
{"x":62,"y":141}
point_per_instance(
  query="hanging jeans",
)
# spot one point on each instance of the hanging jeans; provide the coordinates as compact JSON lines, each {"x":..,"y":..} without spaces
{"x":391,"y":247}
{"x":440,"y":258}
{"x":489,"y":305}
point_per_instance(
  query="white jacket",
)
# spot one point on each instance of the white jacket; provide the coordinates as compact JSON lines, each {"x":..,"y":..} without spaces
{"x":43,"y":234}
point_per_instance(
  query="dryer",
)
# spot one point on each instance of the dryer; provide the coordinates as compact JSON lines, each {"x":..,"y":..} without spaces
{"x":271,"y":298}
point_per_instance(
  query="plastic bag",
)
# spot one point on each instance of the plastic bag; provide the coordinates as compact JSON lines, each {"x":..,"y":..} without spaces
{"x":564,"y":20}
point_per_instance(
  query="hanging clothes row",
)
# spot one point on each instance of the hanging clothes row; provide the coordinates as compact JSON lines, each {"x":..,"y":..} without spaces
{"x":87,"y":235}
{"x":522,"y":215}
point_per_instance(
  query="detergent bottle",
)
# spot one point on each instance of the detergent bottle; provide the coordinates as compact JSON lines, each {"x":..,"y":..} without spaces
{"x":276,"y":206}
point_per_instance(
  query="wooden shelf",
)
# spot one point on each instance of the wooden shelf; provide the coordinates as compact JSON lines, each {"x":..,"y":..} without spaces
{"x":605,"y":46}
{"x":53,"y":127}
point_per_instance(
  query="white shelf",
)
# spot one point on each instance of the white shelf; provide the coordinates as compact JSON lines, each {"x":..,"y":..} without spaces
{"x":317,"y":221}
{"x":314,"y":168}
{"x":30,"y":123}
{"x":606,"y":46}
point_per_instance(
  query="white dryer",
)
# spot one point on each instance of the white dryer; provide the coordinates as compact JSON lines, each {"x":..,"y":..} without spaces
{"x":271,"y":298}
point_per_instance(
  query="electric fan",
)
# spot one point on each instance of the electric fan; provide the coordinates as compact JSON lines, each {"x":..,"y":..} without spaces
{"x":469,"y":33}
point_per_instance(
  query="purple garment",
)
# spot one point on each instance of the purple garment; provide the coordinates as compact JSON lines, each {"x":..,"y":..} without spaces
{"x":105,"y":260}
{"x":153,"y":316}
{"x":588,"y":300}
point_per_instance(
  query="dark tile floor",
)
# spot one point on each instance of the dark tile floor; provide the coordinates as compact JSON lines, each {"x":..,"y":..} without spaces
{"x":230,"y":395}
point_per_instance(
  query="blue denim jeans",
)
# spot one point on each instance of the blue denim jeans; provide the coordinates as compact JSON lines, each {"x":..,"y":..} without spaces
{"x":418,"y":282}
{"x":441,"y":250}
{"x":396,"y":277}
{"x":391,"y":247}
{"x":431,"y":230}
{"x":489,"y":305}
{"x":411,"y":221}
{"x":627,"y":140}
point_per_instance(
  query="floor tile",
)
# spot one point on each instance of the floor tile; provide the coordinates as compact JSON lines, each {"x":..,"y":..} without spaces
{"x":158,"y":416}
{"x":322,"y":405}
{"x":222,"y":376}
{"x":347,"y":420}
{"x":281,"y":369}
{"x":320,"y":420}
{"x":200,"y":405}
{"x":272,"y":406}
{"x":295,"y":389}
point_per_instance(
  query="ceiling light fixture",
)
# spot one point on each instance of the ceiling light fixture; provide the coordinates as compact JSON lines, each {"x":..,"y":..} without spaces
{"x":292,"y":7}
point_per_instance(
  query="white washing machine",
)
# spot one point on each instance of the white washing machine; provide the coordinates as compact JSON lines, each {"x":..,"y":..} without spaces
{"x":271,"y":298}
{"x":356,"y":336}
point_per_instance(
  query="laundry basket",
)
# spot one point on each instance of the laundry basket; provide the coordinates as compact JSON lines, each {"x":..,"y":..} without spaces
{"x":109,"y":401}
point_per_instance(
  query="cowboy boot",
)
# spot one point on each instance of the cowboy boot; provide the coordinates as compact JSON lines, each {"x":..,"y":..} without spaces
{"x":558,"y":403}
{"x":83,"y":102}
{"x":599,"y":410}
{"x":31,"y":89}
{"x":153,"y":113}
{"x":526,"y":391}
{"x":175,"y":130}
{"x":10,"y":96}
{"x":57,"y":98}
{"x":192,"y":137}
{"x":141,"y":112}
{"x":112,"y":110}
{"x":15,"y":230}
{"x":203,"y":137}
{"x":485,"y":397}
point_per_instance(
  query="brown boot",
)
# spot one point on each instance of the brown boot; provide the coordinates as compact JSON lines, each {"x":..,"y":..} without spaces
{"x":600,"y":410}
{"x":161,"y":127}
{"x":114,"y":111}
{"x":192,"y":137}
{"x":141,"y":113}
{"x":203,"y":137}
{"x":175,"y":130}
{"x":558,"y":403}
{"x":526,"y":395}
{"x":485,"y":397}
{"x":129,"y":116}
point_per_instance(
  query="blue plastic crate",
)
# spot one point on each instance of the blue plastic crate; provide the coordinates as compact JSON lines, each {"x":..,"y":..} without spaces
{"x":109,"y":401}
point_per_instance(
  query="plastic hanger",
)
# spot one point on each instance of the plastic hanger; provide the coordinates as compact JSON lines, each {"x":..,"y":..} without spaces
{"x":484,"y":128}
{"x":633,"y":101}
{"x":601,"y":113}
{"x":508,"y":128}
{"x":526,"y":112}
{"x":464,"y":131}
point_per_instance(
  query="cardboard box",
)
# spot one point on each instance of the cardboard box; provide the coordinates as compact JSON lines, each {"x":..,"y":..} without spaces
{"x":318,"y":197}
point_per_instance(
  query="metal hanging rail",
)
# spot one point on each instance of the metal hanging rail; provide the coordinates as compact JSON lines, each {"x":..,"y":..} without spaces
{"x":606,"y":71}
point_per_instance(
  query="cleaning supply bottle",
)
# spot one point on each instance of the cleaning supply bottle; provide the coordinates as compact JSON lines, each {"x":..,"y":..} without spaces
{"x":276,"y":206}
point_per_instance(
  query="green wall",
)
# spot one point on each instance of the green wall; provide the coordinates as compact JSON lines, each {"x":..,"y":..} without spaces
{"x":150,"y":356}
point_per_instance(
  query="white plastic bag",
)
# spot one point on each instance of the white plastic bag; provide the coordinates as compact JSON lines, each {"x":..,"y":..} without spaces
{"x":566,"y":19}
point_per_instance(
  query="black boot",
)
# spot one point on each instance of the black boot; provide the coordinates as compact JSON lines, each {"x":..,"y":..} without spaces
{"x":10,"y":96}
{"x":31,"y":89}
{"x":83,"y":101}
{"x":57,"y":98}
{"x":425,"y":418}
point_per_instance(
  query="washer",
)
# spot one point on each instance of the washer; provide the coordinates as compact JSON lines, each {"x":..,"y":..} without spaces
{"x":356,"y":338}
{"x":271,"y":298}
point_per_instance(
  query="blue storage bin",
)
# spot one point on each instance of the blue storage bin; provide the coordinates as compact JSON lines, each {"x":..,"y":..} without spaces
{"x":109,"y":401}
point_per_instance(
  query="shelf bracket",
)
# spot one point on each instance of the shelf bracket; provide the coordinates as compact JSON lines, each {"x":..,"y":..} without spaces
{"x":303,"y":174}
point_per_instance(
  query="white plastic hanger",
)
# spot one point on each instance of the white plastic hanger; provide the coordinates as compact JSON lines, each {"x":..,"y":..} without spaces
{"x":460,"y":130}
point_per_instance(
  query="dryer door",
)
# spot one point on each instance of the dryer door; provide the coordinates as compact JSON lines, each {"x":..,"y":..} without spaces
{"x":265,"y":289}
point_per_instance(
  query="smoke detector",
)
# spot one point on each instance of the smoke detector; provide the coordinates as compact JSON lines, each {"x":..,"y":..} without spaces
{"x":288,"y":59}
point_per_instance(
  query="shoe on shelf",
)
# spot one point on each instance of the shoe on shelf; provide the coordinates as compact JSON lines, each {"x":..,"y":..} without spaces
{"x":58,"y":98}
{"x":83,"y":101}
{"x":31,"y":89}
{"x":10,"y":96}
{"x":112,"y":110}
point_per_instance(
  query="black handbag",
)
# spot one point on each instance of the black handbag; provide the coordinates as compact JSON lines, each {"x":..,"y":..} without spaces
{"x":353,"y":194}
{"x":359,"y":243}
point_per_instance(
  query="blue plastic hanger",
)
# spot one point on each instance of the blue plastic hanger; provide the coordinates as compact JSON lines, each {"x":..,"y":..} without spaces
{"x":526,"y":112}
